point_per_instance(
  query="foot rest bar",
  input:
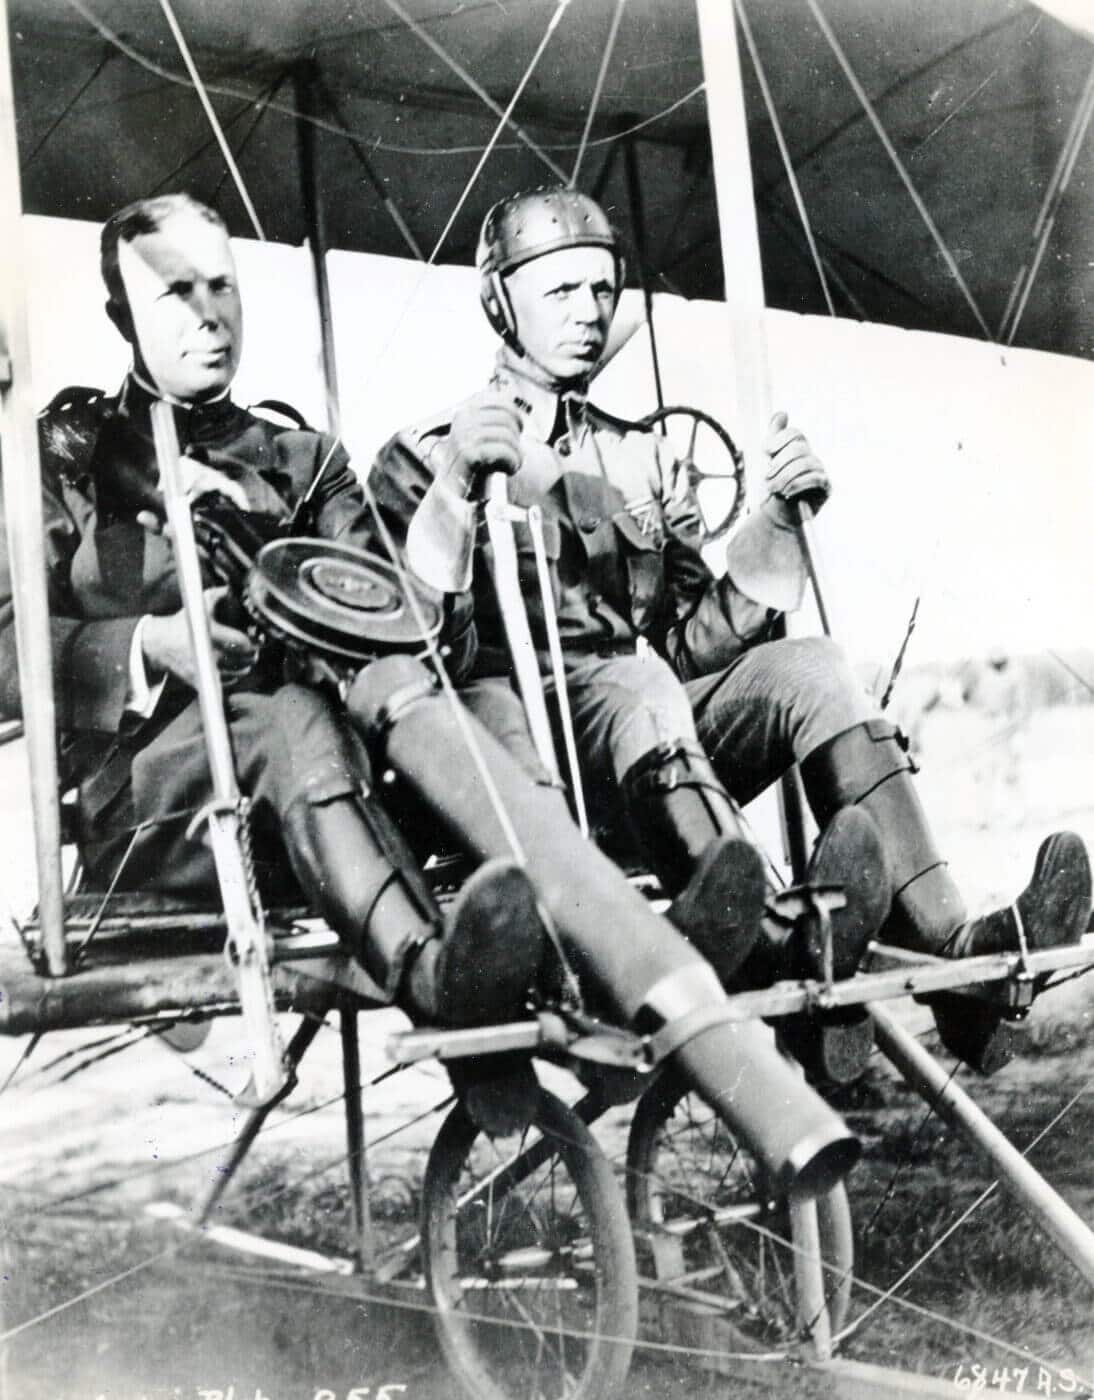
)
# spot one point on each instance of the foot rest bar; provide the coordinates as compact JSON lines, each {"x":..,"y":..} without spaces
{"x":546,"y":1032}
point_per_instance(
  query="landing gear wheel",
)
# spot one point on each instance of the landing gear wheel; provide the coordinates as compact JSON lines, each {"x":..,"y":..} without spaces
{"x":709,"y":461}
{"x":530,"y":1260}
{"x":706,"y":1217}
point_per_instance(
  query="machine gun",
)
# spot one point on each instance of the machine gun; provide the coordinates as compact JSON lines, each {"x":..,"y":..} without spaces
{"x":301,"y":598}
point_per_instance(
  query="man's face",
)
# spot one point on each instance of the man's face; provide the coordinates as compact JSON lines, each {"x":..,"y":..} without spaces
{"x":563,"y":303}
{"x":184,"y":308}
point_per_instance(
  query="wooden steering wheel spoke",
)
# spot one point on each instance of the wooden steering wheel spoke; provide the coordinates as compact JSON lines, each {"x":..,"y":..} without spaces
{"x":708,"y":461}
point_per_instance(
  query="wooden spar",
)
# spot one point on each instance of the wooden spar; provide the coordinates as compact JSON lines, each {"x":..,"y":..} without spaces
{"x":305,"y":87}
{"x":744,"y":284}
{"x":736,"y":203}
{"x":172,"y":984}
{"x":26,"y":531}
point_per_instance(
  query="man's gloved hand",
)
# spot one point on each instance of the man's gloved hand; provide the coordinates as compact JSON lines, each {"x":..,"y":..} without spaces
{"x":484,"y":438}
{"x":795,"y":472}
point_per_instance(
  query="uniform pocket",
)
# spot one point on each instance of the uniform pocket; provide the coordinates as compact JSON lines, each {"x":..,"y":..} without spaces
{"x":644,"y":567}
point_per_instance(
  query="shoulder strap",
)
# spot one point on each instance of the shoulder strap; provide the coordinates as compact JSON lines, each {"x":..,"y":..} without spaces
{"x":274,"y":409}
{"x":77,"y":402}
{"x":612,"y":420}
{"x":70,"y":425}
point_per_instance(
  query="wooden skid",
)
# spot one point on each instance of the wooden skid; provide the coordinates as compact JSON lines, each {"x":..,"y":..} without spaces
{"x":177,"y":984}
{"x":714,"y":1345}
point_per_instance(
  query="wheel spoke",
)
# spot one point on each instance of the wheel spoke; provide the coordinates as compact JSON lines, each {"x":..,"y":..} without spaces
{"x":560,"y":1292}
{"x":691,"y":1177}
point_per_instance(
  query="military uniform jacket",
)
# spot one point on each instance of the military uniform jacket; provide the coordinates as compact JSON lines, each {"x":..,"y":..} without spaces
{"x":105,"y":570}
{"x":621,"y":537}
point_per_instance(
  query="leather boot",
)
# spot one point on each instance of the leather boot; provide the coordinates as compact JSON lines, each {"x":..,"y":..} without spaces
{"x":849,"y":858}
{"x":868,"y":766}
{"x":489,"y":956}
{"x":473,"y":968}
{"x":833,"y":1046}
{"x":691,"y":835}
{"x":1051,"y":911}
{"x":849,"y":855}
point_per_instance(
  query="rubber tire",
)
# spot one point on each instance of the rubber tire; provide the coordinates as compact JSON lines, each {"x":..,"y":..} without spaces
{"x":654,"y":1110}
{"x":615,"y":1322}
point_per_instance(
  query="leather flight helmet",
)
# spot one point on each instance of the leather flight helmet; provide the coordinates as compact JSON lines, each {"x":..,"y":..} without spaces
{"x":527,"y":226}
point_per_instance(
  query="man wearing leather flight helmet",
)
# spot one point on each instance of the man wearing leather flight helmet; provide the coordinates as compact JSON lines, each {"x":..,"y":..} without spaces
{"x":685,"y":702}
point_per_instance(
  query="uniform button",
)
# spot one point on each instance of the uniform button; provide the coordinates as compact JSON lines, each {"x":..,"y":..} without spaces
{"x":588,"y":523}
{"x":564,"y":448}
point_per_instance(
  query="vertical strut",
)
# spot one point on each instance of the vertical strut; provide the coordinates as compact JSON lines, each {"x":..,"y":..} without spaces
{"x":26,"y":532}
{"x":355,"y":1141}
{"x":638,"y":231}
{"x":306,"y":87}
{"x":225,"y":814}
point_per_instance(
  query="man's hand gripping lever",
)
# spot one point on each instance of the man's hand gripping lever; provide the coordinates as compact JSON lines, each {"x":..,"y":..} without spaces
{"x":246,"y":946}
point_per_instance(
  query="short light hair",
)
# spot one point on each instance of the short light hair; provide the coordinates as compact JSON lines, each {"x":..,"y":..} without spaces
{"x":143,"y":216}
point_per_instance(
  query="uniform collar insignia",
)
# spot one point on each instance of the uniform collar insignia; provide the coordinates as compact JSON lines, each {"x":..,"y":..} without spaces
{"x":547,"y":411}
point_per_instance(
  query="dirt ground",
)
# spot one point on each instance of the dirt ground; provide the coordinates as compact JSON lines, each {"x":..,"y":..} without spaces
{"x":99,"y":1299}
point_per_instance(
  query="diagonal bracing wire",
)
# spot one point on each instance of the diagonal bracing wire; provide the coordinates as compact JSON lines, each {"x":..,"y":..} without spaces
{"x":394,"y":213}
{"x":69,"y":105}
{"x":214,"y":121}
{"x":898,"y":165}
{"x":598,"y":89}
{"x":261,"y":108}
{"x":171,"y":1250}
{"x":988,"y":1191}
{"x":818,"y":262}
{"x":247,"y":106}
{"x":1050,"y":208}
{"x":475,"y":86}
{"x":784,"y":152}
